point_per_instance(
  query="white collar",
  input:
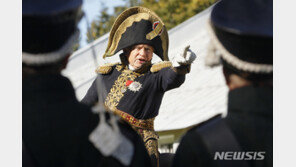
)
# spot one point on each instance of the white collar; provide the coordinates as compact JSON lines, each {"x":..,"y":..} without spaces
{"x":131,"y":67}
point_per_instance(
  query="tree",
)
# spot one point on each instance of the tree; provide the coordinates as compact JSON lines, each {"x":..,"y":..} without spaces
{"x":172,"y":12}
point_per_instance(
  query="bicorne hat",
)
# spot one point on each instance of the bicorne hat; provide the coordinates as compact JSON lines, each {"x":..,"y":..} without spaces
{"x":138,"y":25}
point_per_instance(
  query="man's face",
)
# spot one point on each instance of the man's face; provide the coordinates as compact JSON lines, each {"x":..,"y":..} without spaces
{"x":139,"y":55}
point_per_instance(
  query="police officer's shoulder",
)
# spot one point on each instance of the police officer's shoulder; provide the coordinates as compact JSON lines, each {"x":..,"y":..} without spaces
{"x":210,"y":123}
{"x":106,"y":68}
{"x":160,"y":65}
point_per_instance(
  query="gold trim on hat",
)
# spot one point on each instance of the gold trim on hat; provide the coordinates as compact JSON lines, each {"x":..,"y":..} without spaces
{"x":151,"y":35}
{"x":126,"y":19}
{"x":121,"y":30}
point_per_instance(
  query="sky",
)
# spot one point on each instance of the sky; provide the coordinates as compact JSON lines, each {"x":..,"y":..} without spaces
{"x":92,"y":9}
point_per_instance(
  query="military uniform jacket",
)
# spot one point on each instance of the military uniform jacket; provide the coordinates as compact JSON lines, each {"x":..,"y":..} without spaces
{"x":249,"y":118}
{"x":137,"y":94}
{"x":56,"y":127}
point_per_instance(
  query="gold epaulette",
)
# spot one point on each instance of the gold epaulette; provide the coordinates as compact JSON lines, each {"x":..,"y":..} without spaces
{"x":158,"y":66}
{"x":106,"y":68}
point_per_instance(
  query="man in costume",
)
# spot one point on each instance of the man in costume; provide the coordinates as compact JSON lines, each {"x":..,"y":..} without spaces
{"x":135,"y":87}
{"x":57,"y":130}
{"x":242,"y":38}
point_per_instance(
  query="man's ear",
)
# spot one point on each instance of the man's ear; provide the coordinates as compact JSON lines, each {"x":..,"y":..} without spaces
{"x":65,"y":61}
{"x":234,"y":81}
{"x":226,"y":76}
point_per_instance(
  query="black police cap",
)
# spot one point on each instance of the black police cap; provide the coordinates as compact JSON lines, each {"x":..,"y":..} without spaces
{"x":245,"y":17}
{"x":48,"y":7}
{"x":49,"y":30}
{"x":242,"y":30}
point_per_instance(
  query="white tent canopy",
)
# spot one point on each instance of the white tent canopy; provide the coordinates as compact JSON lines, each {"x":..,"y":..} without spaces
{"x":203,"y":95}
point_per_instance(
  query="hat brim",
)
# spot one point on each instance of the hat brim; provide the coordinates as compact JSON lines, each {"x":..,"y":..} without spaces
{"x":126,"y":20}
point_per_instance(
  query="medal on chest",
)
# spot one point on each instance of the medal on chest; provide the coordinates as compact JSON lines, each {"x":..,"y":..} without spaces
{"x":133,"y":85}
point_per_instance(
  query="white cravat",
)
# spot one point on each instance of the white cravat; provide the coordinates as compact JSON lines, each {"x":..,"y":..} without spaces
{"x":131,"y":67}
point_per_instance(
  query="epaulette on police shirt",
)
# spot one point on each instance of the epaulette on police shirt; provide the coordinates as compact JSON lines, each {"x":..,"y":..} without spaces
{"x":106,"y":68}
{"x":158,"y":66}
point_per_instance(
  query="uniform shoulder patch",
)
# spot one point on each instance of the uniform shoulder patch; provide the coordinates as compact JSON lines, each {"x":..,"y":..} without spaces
{"x":158,"y":66}
{"x":106,"y":68}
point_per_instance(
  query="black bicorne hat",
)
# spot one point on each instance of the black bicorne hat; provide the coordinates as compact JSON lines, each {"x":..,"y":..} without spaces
{"x":138,"y":25}
{"x":242,"y":31}
{"x":49,"y":30}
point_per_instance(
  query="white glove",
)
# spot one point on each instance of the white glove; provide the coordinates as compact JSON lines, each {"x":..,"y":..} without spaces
{"x":185,"y":57}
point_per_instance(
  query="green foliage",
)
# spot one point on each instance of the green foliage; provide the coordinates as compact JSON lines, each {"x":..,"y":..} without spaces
{"x":172,"y":12}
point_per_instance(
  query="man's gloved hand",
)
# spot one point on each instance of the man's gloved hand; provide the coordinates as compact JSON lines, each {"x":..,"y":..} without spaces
{"x":186,"y":57}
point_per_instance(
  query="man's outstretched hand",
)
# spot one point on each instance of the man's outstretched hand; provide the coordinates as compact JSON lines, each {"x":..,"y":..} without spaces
{"x":185,"y":57}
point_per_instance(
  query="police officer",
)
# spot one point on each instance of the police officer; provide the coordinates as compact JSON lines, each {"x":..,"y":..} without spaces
{"x":58,"y":130}
{"x":134,"y":86}
{"x":242,"y":36}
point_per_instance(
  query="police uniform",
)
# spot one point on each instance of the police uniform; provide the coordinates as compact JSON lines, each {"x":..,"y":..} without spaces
{"x":56,"y":128}
{"x":136,"y":95}
{"x":241,"y":37}
{"x":250,"y":120}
